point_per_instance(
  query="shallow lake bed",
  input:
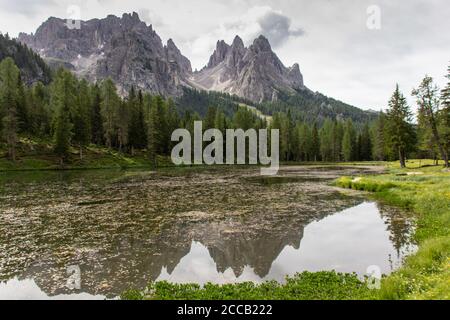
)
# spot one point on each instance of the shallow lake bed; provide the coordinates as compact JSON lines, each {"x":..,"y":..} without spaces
{"x":124,"y":229}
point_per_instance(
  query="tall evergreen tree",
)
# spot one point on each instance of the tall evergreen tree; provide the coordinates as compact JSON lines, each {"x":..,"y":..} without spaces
{"x":315,"y":143}
{"x":380,"y":150}
{"x":400,"y":130}
{"x":428,"y":102}
{"x":109,"y":109}
{"x":22,"y":107}
{"x":348,"y":142}
{"x":97,"y":134}
{"x":39,"y":112}
{"x":123,"y":117}
{"x":81,"y":117}
{"x":137,"y":128}
{"x":444,"y":115}
{"x":327,"y":141}
{"x":365,"y":147}
{"x":173,"y":123}
{"x":9,"y":79}
{"x":63,"y":100}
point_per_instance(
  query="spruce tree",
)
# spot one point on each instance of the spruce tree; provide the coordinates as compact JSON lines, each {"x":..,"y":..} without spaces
{"x":315,"y":143}
{"x":428,"y":103}
{"x":348,"y":142}
{"x":156,"y":128}
{"x":109,"y":109}
{"x":63,"y":100}
{"x":137,"y":128}
{"x":81,"y":117}
{"x":400,"y":130}
{"x":9,"y":79}
{"x":380,"y":150}
{"x":123,"y":117}
{"x":173,"y":123}
{"x":365,"y":148}
{"x":97,"y":134}
{"x":22,"y":107}
{"x":444,"y":115}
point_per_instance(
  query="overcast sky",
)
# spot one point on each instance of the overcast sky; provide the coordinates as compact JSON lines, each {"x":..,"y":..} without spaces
{"x":337,"y":52}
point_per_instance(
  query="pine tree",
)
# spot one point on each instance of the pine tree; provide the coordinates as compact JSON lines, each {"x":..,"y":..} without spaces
{"x":22,"y":107}
{"x":81,"y":117}
{"x":109,"y":109}
{"x":137,"y":128}
{"x":173,"y":123}
{"x":337,"y":136}
{"x":380,"y":151}
{"x":327,"y":141}
{"x":400,"y":130}
{"x":123,"y":117}
{"x":315,"y":144}
{"x":9,"y":79}
{"x":365,"y":148}
{"x":428,"y":102}
{"x":39,"y":113}
{"x":96,"y":117}
{"x":156,"y":127}
{"x":348,"y":142}
{"x":444,"y":115}
{"x":63,"y":100}
{"x":210,"y":118}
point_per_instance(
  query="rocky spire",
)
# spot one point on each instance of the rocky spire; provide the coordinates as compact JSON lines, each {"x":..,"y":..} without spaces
{"x":219,"y":54}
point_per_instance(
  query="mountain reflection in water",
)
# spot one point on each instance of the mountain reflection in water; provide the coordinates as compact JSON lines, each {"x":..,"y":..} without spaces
{"x":126,"y":230}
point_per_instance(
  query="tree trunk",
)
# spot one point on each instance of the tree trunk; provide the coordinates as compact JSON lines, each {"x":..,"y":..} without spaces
{"x":12,"y":153}
{"x":81,"y":152}
{"x":446,"y":161}
{"x":437,"y":139}
{"x":401,"y":154}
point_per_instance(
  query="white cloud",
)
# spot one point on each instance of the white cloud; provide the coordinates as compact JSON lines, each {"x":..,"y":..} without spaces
{"x":258,"y":20}
{"x":337,"y":54}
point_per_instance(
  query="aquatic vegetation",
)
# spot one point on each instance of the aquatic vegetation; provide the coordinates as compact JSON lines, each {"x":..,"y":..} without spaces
{"x":303,"y":286}
{"x":124,"y":228}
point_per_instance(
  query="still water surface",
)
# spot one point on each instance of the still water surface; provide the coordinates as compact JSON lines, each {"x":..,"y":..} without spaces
{"x":124,"y":229}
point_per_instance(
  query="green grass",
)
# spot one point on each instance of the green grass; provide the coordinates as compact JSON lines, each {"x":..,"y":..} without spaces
{"x":304,"y":286}
{"x":37,"y":154}
{"x":424,"y":191}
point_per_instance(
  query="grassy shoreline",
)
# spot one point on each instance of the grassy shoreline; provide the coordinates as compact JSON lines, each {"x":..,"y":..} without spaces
{"x":422,"y":191}
{"x":425,"y":193}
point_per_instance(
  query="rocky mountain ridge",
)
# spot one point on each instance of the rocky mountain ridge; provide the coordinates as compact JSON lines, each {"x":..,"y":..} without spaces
{"x":130,"y":52}
{"x":254,"y":73}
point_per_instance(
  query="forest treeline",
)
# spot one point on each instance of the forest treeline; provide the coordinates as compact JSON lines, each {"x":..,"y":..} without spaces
{"x":75,"y":114}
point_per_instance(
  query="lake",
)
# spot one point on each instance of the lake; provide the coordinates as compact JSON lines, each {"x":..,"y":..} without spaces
{"x":122,"y":229}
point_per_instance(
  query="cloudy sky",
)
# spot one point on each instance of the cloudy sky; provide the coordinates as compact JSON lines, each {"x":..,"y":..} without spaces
{"x":339,"y":55}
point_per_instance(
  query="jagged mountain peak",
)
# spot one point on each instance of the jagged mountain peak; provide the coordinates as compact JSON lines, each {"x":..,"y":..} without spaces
{"x":130,"y":52}
{"x":123,"y":48}
{"x":238,"y":43}
{"x":254,"y":73}
{"x":261,"y":44}
{"x":221,"y":51}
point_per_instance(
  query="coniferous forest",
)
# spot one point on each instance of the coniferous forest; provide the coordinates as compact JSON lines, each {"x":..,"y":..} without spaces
{"x":72,"y":113}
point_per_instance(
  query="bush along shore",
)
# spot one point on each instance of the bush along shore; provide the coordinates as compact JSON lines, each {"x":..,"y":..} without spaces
{"x":422,"y":190}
